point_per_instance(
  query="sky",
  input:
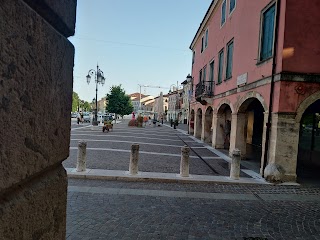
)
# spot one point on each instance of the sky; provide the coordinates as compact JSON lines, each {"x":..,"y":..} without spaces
{"x":134,"y":42}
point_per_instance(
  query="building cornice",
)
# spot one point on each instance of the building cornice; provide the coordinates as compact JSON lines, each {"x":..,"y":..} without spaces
{"x":204,"y":22}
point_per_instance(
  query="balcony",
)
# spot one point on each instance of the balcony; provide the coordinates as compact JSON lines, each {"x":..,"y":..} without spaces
{"x":203,"y":90}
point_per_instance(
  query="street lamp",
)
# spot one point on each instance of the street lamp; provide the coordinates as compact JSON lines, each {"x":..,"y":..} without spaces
{"x":189,"y":83}
{"x":99,"y":79}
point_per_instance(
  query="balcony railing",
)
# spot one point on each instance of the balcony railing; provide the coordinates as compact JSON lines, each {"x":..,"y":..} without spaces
{"x":204,"y":89}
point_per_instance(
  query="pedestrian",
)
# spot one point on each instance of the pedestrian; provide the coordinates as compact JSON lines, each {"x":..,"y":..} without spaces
{"x":78,"y":117}
{"x":145,"y":120}
{"x":149,"y":120}
{"x":81,"y":117}
{"x":161,"y":120}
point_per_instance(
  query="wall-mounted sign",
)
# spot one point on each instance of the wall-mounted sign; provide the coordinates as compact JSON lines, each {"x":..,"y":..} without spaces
{"x":242,"y":79}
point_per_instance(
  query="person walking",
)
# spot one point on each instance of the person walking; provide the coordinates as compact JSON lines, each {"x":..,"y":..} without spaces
{"x":78,"y":117}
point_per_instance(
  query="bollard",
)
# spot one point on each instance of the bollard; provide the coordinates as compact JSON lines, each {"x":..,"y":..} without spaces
{"x":82,"y":156}
{"x":235,"y":165}
{"x":134,"y":158}
{"x":184,"y":164}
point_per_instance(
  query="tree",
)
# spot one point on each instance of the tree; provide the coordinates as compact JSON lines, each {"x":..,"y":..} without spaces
{"x":75,"y":102}
{"x":118,"y":101}
{"x":86,"y":106}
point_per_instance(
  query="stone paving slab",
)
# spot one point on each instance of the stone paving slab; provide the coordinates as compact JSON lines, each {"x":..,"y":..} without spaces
{"x":122,"y":210}
{"x":156,"y":176}
{"x":272,"y":189}
{"x":200,"y":195}
{"x":113,"y":160}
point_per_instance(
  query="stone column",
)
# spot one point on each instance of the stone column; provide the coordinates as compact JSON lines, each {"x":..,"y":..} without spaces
{"x":283,"y":149}
{"x":263,"y":141}
{"x":134,"y":158}
{"x":184,"y":164}
{"x":198,"y":126}
{"x":238,"y":133}
{"x":214,"y":129}
{"x":203,"y":130}
{"x":219,"y":131}
{"x":82,"y":156}
{"x":235,"y":165}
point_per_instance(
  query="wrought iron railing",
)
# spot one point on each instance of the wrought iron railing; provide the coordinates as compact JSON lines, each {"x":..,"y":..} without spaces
{"x":204,"y":89}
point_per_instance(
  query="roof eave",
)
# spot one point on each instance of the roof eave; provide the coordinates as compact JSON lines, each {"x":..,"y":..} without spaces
{"x":203,"y":23}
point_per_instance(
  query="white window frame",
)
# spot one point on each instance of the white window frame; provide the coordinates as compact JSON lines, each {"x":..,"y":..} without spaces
{"x":235,"y":6}
{"x":206,"y":38}
{"x":225,"y":16}
{"x":260,"y":30}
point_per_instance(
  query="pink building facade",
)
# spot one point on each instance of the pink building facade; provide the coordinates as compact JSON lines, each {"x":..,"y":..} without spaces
{"x":256,"y":83}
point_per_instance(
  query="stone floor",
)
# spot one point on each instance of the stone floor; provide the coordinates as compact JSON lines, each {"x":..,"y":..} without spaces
{"x":100,"y":209}
{"x":139,"y":210}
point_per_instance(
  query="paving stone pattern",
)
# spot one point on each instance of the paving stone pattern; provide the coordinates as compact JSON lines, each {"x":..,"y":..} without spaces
{"x":162,"y":140}
{"x":139,"y":213}
{"x":106,"y":216}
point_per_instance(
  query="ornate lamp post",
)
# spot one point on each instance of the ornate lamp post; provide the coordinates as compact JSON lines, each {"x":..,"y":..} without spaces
{"x":99,"y":79}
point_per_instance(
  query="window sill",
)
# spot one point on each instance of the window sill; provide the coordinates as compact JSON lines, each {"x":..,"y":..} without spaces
{"x":227,"y":78}
{"x":218,"y":83}
{"x":260,"y":62}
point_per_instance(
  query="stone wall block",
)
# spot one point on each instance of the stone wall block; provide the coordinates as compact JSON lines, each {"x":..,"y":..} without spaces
{"x":36,"y":74}
{"x":62,"y":18}
{"x":36,"y":209}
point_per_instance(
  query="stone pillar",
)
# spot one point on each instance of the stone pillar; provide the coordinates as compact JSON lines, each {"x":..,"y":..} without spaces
{"x":184,"y":164}
{"x":134,"y":158}
{"x":219,"y":131}
{"x":198,"y":125}
{"x":263,"y":141}
{"x":235,"y":165}
{"x":238,"y":133}
{"x":214,"y":130}
{"x":82,"y":156}
{"x":203,"y":124}
{"x":283,"y":149}
{"x":36,"y":76}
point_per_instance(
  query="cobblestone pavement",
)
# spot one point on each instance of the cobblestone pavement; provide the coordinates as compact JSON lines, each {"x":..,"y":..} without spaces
{"x":100,"y":209}
{"x":160,"y":150}
{"x":144,"y":210}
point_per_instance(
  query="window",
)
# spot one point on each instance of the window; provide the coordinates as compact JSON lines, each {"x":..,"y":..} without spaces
{"x":193,"y":56}
{"x":202,"y":44}
{"x":267,"y":33}
{"x":223,"y":12}
{"x":211,"y":73}
{"x":200,"y":75}
{"x":206,"y":39}
{"x":220,"y":71}
{"x":229,"y":59}
{"x":204,"y":74}
{"x":232,"y":5}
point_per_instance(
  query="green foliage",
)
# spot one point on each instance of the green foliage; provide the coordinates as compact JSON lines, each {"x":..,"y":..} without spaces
{"x":86,"y":106}
{"x":118,"y":101}
{"x":75,"y":102}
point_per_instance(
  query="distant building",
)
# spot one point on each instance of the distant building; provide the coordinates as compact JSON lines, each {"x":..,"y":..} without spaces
{"x":141,"y":103}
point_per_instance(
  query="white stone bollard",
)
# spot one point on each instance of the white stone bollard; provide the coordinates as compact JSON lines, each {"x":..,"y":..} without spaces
{"x":235,"y":165}
{"x":184,"y":164}
{"x":134,"y":158}
{"x":82,"y":156}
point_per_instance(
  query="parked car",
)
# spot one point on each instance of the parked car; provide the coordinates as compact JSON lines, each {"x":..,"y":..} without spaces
{"x":86,"y":117}
{"x":73,"y":115}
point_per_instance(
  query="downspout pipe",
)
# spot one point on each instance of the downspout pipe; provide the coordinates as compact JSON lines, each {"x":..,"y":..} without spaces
{"x":274,"y":65}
